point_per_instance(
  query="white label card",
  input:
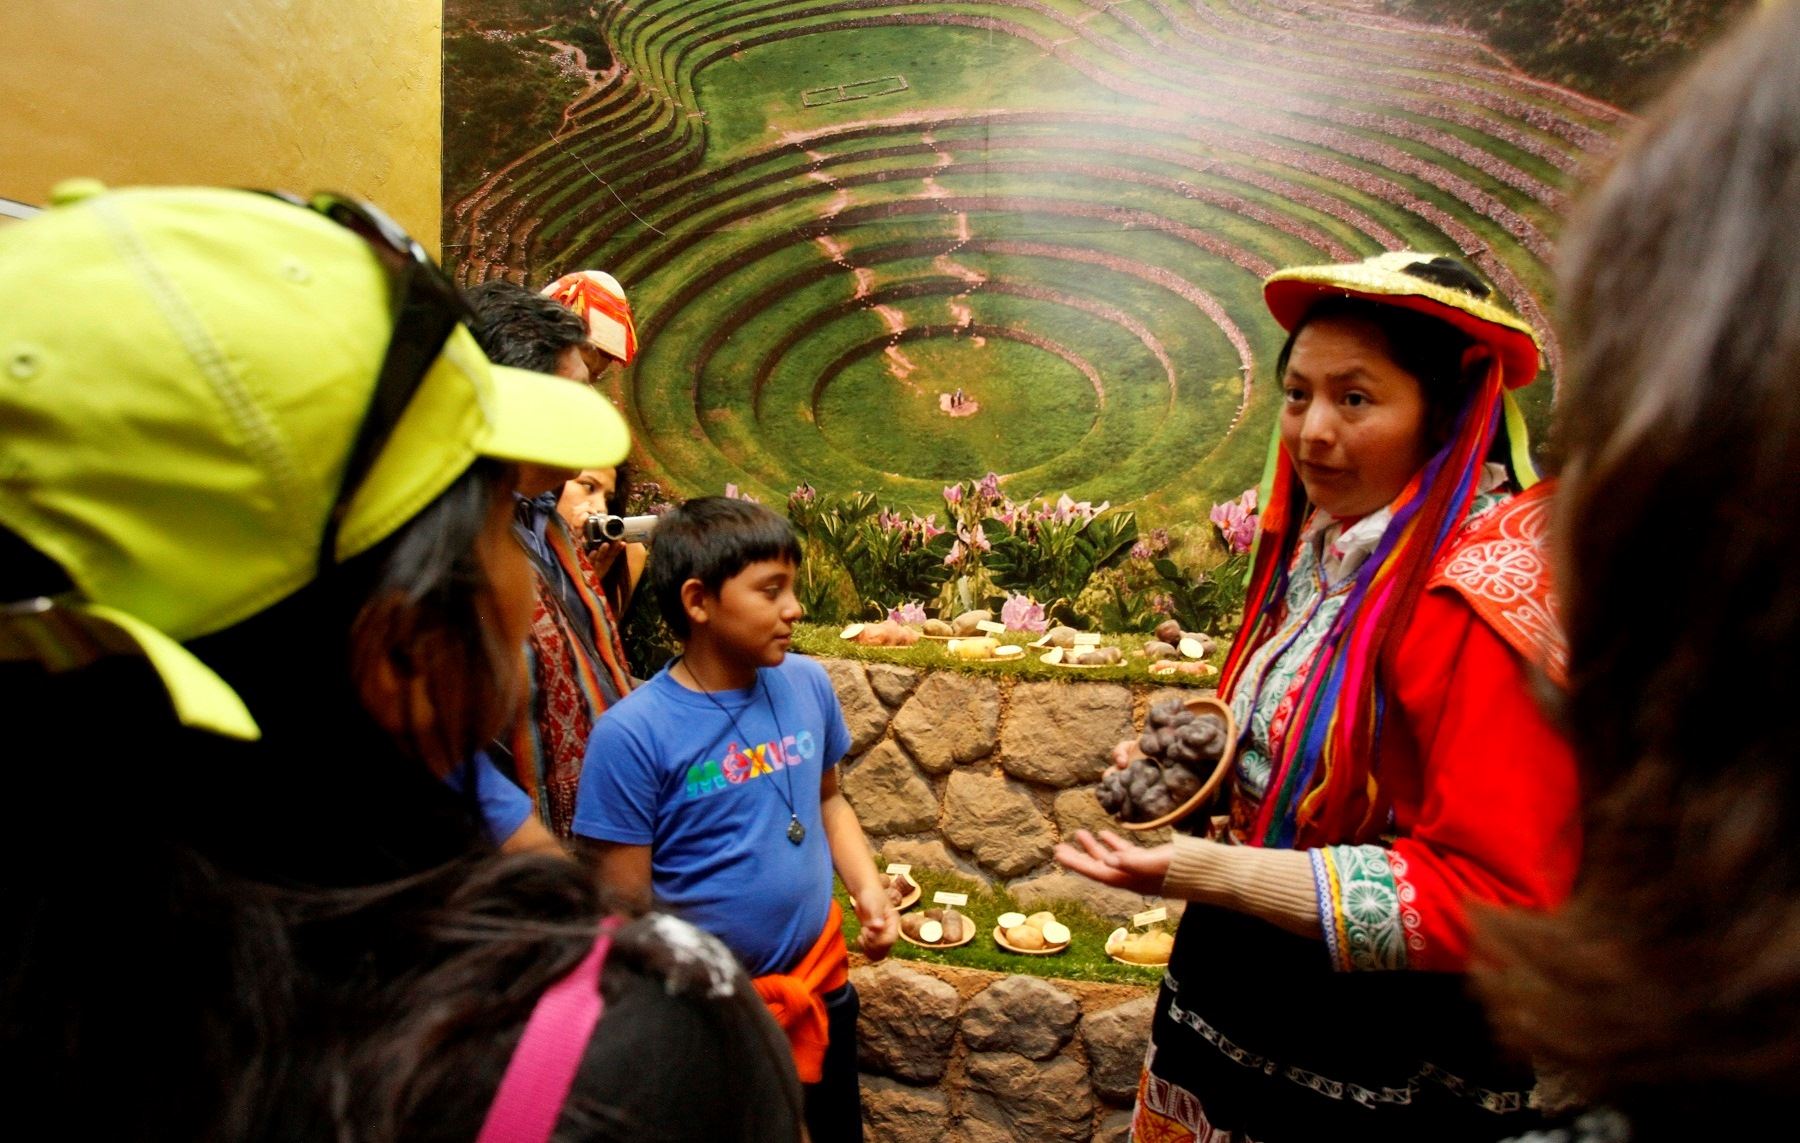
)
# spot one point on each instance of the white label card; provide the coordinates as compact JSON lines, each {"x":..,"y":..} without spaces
{"x":898,"y":870}
{"x":1150,"y":917}
{"x":990,"y":626}
{"x":1087,"y":638}
{"x":941,"y":898}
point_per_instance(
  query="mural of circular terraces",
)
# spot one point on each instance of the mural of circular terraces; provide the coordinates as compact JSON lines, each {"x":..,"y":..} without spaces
{"x":886,"y":244}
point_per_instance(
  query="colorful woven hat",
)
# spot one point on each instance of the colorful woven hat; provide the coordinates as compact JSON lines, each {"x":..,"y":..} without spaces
{"x":600,"y":300}
{"x":1413,"y":281}
{"x":182,"y":375}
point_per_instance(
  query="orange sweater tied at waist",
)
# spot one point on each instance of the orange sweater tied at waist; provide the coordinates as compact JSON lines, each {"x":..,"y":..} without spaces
{"x":797,"y":999}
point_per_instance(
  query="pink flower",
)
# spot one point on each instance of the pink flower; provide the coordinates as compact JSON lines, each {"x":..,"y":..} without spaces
{"x":732,"y":492}
{"x":953,"y":493}
{"x":1151,"y":545}
{"x":1021,"y":613}
{"x":974,"y":538}
{"x":1236,"y":521}
{"x":804,"y":493}
{"x":908,"y":612}
{"x":989,"y":486}
{"x":1067,"y":511}
{"x":956,"y":554}
{"x":928,"y":526}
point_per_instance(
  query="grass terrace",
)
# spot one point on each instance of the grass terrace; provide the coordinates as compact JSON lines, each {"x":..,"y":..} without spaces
{"x":1066,"y":211}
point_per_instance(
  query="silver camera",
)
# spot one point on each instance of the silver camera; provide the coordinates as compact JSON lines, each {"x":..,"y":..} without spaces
{"x":624,"y":529}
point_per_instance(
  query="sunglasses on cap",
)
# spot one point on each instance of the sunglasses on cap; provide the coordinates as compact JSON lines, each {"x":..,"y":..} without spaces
{"x":427,"y":308}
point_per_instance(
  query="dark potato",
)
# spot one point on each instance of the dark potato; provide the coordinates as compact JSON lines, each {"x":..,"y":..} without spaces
{"x":1180,"y":748}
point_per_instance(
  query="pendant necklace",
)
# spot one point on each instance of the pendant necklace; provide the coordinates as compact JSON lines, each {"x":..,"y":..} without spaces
{"x":796,"y":832}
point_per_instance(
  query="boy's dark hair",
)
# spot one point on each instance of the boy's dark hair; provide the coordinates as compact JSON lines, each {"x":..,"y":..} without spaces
{"x":520,"y":328}
{"x":711,"y":539}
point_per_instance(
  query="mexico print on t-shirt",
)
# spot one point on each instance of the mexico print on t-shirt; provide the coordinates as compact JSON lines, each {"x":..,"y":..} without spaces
{"x":735,"y":765}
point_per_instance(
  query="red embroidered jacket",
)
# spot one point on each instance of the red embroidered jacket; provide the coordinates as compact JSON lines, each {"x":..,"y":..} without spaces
{"x":1485,"y":794}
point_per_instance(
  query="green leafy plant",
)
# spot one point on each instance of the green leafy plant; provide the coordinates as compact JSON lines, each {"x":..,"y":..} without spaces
{"x":822,"y":585}
{"x":1211,"y":600}
{"x":882,"y":554}
{"x":991,"y":548}
{"x":1123,"y":598}
{"x":969,"y":584}
{"x":1051,"y":551}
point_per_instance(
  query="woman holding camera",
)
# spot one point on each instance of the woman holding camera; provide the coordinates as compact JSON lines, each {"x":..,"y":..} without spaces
{"x":576,"y":661}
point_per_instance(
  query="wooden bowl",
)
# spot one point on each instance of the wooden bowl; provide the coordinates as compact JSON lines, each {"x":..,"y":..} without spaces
{"x":1200,"y":704}
{"x":1132,"y":963}
{"x":955,"y":945}
{"x":1000,"y":939}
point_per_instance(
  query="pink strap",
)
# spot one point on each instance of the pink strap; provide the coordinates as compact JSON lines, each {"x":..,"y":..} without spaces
{"x":543,"y":1066}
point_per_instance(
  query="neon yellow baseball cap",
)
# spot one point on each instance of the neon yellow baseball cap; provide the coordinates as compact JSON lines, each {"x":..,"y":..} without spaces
{"x":182,"y":374}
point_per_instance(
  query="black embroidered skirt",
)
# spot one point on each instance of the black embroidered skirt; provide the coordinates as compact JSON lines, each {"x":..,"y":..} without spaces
{"x":1256,"y":1038}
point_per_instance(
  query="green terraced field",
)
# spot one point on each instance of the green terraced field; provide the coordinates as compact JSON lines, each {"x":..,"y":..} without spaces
{"x":1034,"y":406}
{"x":1065,"y":208}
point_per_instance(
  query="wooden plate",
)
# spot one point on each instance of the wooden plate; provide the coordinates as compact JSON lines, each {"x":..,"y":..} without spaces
{"x":923,"y":945}
{"x":1199,"y":704}
{"x":1132,"y":963}
{"x":1018,"y":655}
{"x":1000,"y":939}
{"x":1210,"y":672}
{"x":1135,"y":963}
{"x":944,"y":638}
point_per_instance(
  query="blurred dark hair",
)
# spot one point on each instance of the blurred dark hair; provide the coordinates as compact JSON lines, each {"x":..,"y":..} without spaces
{"x":419,"y":607}
{"x":623,"y":473}
{"x":711,"y":539}
{"x":522,"y":328}
{"x":1426,"y":349}
{"x":1669,"y":985}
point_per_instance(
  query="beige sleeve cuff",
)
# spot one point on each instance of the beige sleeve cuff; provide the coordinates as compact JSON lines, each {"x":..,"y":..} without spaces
{"x":1275,"y":885}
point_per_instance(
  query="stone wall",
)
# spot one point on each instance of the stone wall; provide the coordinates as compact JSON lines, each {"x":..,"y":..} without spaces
{"x":978,"y":1057}
{"x":983,"y":776}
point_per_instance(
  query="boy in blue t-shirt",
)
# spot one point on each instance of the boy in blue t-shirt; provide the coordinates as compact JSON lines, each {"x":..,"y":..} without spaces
{"x":713,"y":789}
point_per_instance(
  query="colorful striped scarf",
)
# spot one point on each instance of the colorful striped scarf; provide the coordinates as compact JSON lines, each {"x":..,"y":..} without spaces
{"x":1323,"y":788}
{"x":573,"y":681}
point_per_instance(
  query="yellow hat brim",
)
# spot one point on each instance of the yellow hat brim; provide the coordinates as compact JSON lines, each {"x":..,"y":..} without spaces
{"x":1290,"y":293}
{"x":541,"y":419}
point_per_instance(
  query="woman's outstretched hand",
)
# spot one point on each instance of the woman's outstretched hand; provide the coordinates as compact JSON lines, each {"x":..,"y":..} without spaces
{"x":1111,"y":860}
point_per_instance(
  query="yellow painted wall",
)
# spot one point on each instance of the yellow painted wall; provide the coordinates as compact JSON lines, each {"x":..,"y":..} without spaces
{"x":297,"y":94}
